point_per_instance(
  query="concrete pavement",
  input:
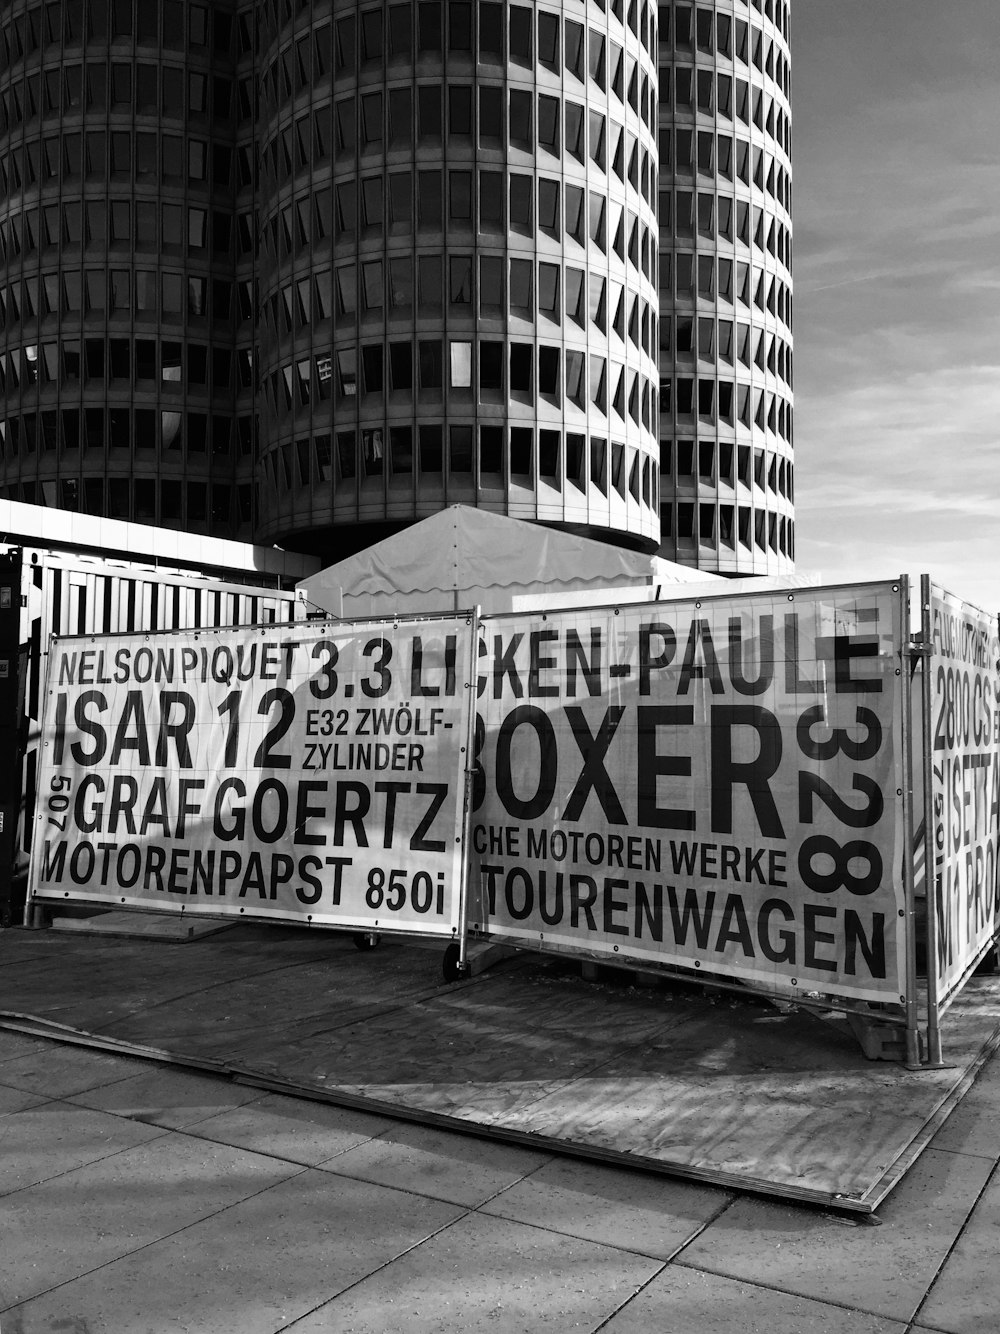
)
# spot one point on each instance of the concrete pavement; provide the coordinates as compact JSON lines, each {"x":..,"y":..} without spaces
{"x":138,"y":1198}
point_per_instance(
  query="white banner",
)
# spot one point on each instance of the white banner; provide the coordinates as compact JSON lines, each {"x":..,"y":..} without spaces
{"x":311,"y":773}
{"x":713,"y":784}
{"x":965,"y":745}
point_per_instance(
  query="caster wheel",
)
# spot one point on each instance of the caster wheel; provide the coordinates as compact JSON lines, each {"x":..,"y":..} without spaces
{"x":366,"y":940}
{"x":450,"y":966}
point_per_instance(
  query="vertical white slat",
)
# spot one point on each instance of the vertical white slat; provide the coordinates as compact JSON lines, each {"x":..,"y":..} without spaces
{"x":93,"y":610}
{"x":50,"y":579}
{"x":142,"y":587}
{"x":73,"y":599}
{"x":163,"y":603}
{"x":63,"y":615}
{"x":147,"y":604}
{"x":114,"y":604}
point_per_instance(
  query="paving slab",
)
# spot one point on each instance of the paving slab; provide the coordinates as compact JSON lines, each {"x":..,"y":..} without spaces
{"x":59,"y":1071}
{"x":250,"y":1269}
{"x":972,"y":1127}
{"x":89,"y":1217}
{"x":680,"y":1301}
{"x":613,"y":1206}
{"x":164,"y":1096}
{"x":460,"y":1168}
{"x":53,"y":1138}
{"x":488,"y":1276}
{"x":13,"y":1045}
{"x":15,"y":1100}
{"x":965,"y":1298}
{"x":296,"y":1129}
{"x":885,"y":1270}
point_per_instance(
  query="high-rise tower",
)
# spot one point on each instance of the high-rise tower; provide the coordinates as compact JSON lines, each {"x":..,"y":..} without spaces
{"x":126,"y":379}
{"x":457,"y":266}
{"x":726,"y":491}
{"x":305,"y":273}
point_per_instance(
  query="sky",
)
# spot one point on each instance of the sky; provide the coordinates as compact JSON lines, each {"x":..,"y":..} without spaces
{"x":896,"y":171}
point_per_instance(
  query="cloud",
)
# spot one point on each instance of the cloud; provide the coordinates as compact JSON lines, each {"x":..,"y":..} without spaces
{"x":904,"y":474}
{"x":897,"y":325}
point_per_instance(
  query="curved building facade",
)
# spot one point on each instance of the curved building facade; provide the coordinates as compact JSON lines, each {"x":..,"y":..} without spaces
{"x":727,"y":482}
{"x":458,"y":266}
{"x":118,"y":297}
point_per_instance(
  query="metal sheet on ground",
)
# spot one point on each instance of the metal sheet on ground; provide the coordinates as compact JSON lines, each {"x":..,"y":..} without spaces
{"x":719,"y":1089}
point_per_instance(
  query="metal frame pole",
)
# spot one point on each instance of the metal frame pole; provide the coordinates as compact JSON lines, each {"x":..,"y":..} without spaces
{"x":909,"y":895}
{"x":470,"y":774}
{"x":34,"y":909}
{"x":930,"y":844}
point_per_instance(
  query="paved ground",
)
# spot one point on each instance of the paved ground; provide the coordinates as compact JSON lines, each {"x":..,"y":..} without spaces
{"x":136,"y":1198}
{"x":727,"y":1090}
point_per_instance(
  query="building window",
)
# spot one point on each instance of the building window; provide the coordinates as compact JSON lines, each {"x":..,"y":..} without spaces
{"x":519,"y":25}
{"x":460,"y":449}
{"x":548,"y":291}
{"x":430,"y":448}
{"x":461,"y":365}
{"x":429,"y":353}
{"x":519,"y":124}
{"x":521,"y":188}
{"x":520,"y":454}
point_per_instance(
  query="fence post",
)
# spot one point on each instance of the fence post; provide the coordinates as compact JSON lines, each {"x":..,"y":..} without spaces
{"x":909,"y":895}
{"x":470,"y":777}
{"x":930,"y":849}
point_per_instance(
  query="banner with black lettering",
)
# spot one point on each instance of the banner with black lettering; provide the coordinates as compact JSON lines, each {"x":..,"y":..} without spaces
{"x":713,"y":784}
{"x":965,"y":747}
{"x":311,"y":772}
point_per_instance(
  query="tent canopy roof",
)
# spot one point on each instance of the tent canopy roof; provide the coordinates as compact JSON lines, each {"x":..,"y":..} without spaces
{"x":463,"y":550}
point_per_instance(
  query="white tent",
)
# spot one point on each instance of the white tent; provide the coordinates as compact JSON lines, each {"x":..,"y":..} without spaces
{"x":464,"y":557}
